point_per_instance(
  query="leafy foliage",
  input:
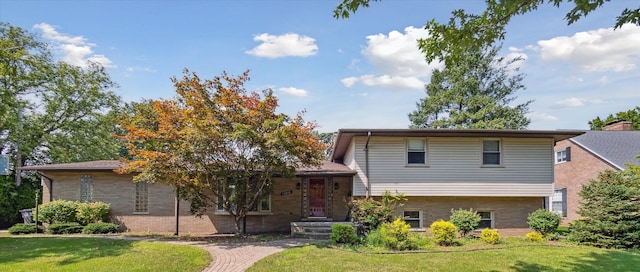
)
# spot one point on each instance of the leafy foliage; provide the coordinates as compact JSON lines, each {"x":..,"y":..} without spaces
{"x":466,"y":32}
{"x":444,"y":232}
{"x":101,"y":228}
{"x":465,"y":220}
{"x":632,"y":115}
{"x":217,"y":139}
{"x":490,"y":236}
{"x":64,"y":228}
{"x":92,"y":212}
{"x":475,"y":93}
{"x":22,"y":228}
{"x":396,"y":235}
{"x":343,"y":234}
{"x":370,"y":213}
{"x":14,"y":198}
{"x":533,"y":236}
{"x":544,"y":221}
{"x":610,"y":210}
{"x":58,"y":211}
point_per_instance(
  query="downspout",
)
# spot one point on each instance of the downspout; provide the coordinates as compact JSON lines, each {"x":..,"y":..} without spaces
{"x":366,"y":167}
{"x":177,"y":211}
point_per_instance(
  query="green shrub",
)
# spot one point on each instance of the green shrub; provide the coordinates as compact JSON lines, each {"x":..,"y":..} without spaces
{"x":64,"y":228}
{"x":374,"y":238}
{"x":101,"y":228}
{"x":533,"y":236}
{"x":554,"y":236}
{"x":92,"y":212}
{"x":465,"y":220}
{"x":21,"y":228}
{"x":544,"y":221}
{"x":610,"y":211}
{"x":490,"y":236}
{"x":396,"y":235}
{"x":444,"y":232}
{"x":58,"y":211}
{"x":343,"y":234}
{"x":370,"y":214}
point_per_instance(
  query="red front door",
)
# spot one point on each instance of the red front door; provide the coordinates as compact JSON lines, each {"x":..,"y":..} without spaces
{"x":317,"y":202}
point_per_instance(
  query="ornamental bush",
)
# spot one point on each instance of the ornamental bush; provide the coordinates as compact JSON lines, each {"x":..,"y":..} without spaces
{"x":92,"y":212}
{"x":64,"y":228}
{"x":101,"y":228}
{"x":490,"y":236}
{"x":343,"y":234}
{"x":396,"y":235}
{"x":444,"y":232}
{"x":544,"y":221}
{"x":58,"y":211}
{"x":21,"y":228}
{"x":533,"y":236}
{"x":370,"y":214}
{"x":465,"y":220}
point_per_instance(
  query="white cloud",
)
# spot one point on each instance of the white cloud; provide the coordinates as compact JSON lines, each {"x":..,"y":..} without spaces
{"x":398,"y":58}
{"x":294,"y":91}
{"x":541,"y":116}
{"x":602,"y":49}
{"x":571,"y":102}
{"x":604,"y":80}
{"x":286,"y":45}
{"x":75,"y":50}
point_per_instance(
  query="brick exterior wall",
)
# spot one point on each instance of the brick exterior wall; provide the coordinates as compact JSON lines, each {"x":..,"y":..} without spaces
{"x":508,"y":212}
{"x":582,"y":167}
{"x":119,"y":191}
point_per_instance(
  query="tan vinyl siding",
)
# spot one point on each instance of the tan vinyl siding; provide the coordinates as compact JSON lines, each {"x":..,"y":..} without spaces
{"x":454,"y":167}
{"x":359,"y":181}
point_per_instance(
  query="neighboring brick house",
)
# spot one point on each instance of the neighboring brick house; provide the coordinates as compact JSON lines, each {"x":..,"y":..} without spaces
{"x":580,"y":159}
{"x":503,"y":174}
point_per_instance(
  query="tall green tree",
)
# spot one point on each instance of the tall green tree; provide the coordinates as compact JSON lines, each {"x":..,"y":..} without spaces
{"x":218,"y":144}
{"x":475,"y":93}
{"x":632,"y":115}
{"x":50,"y":112}
{"x":469,"y":32}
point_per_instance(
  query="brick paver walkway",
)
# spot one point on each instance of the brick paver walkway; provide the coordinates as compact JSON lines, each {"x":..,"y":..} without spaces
{"x":238,"y":256}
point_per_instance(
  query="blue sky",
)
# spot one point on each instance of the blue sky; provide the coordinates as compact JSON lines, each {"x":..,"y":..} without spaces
{"x":362,"y":72}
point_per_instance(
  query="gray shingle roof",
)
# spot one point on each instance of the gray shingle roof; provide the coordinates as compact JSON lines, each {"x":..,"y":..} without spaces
{"x":615,"y":147}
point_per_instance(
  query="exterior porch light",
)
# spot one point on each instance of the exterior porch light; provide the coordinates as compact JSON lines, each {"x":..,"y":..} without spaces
{"x":298,"y":186}
{"x":336,"y":186}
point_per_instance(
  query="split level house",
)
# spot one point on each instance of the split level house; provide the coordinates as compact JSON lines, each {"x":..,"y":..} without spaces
{"x":502,"y":174}
{"x":580,"y":159}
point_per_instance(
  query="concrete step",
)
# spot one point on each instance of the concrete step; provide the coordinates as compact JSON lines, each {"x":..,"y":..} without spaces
{"x":314,"y":229}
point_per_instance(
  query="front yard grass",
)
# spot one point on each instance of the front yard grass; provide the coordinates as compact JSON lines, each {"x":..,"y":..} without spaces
{"x":97,"y":254}
{"x":513,"y":254}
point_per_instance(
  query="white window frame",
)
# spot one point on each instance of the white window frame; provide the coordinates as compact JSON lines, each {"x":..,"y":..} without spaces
{"x":141,"y":205}
{"x":490,"y":219}
{"x":559,"y":196}
{"x":258,"y":210}
{"x":563,"y":155}
{"x":86,"y":188}
{"x":409,"y":219}
{"x":499,"y":152}
{"x":409,"y":150}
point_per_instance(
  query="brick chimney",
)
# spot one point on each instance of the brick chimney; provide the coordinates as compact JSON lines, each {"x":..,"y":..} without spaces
{"x":618,"y":125}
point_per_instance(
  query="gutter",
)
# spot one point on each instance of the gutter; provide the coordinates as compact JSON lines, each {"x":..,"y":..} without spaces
{"x":366,"y":171}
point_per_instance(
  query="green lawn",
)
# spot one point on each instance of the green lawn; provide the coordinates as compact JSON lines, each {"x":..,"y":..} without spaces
{"x":506,"y":257}
{"x":97,"y":254}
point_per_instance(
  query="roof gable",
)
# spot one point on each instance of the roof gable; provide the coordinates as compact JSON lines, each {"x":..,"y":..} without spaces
{"x":615,"y":147}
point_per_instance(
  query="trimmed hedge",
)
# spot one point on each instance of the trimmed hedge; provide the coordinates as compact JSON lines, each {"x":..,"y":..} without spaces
{"x":343,"y":234}
{"x":22,"y":228}
{"x":64,"y":228}
{"x":58,"y":211}
{"x":444,"y":232}
{"x":101,"y":228}
{"x":92,"y":212}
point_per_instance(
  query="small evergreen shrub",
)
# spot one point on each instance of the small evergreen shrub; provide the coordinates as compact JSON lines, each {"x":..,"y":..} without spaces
{"x":92,"y":212}
{"x":101,"y":228}
{"x":396,"y":235}
{"x":544,"y":221}
{"x":22,"y":228}
{"x":490,"y":236}
{"x":533,"y":236}
{"x":64,"y":228}
{"x":343,"y":234}
{"x":58,"y":211}
{"x":444,"y":232}
{"x":465,"y":220}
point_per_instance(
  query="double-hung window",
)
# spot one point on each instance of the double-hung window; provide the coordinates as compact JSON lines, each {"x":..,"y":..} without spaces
{"x":416,"y":152}
{"x":262,"y":205}
{"x":563,"y":155}
{"x":559,"y":202}
{"x":86,"y":188}
{"x":413,"y":218}
{"x":491,"y":152}
{"x":486,"y":219}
